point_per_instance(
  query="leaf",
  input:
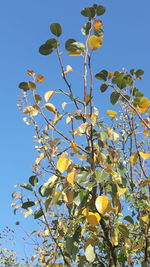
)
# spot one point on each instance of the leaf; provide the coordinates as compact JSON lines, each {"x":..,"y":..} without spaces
{"x":68,"y":44}
{"x":86,"y":28}
{"x":27,"y":213}
{"x":103,"y":87}
{"x":40,"y":78}
{"x":24,"y":86}
{"x":33,"y":180}
{"x":30,"y":72}
{"x":114,"y":97}
{"x":49,"y":46}
{"x":102,"y":75}
{"x":94,"y":119}
{"x":134,"y":158}
{"x":56,"y":29}
{"x":75,"y":54}
{"x":97,"y":24}
{"x":145,"y":218}
{"x":77,"y":46}
{"x":50,"y":107}
{"x":88,"y":12}
{"x":129,"y":219}
{"x":139,"y":72}
{"x":68,"y":69}
{"x":71,"y":177}
{"x":73,"y":145}
{"x":62,"y":164}
{"x":102,"y":203}
{"x":48,"y":95}
{"x":38,"y":98}
{"x":144,"y":155}
{"x":93,"y":218}
{"x":26,"y":186}
{"x":81,"y":197}
{"x":100,"y":10}
{"x":38,"y":213}
{"x":40,"y":157}
{"x":89,"y":253}
{"x":31,"y":110}
{"x":94,"y":42}
{"x":123,"y":230}
{"x":32,"y":86}
{"x":111,"y":113}
{"x":28,"y":204}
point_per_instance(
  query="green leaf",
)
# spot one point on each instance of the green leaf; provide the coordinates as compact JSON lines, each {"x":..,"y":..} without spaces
{"x":33,"y":180}
{"x":47,"y":202}
{"x":114,"y":98}
{"x":56,"y":29}
{"x":88,"y":12}
{"x":28,"y":204}
{"x":100,"y":10}
{"x":132,"y":71}
{"x":85,"y":29}
{"x":102,"y":75}
{"x":24,"y":86}
{"x":38,"y":98}
{"x":38,"y":213}
{"x":103,"y":87}
{"x":26,"y":186}
{"x":68,"y":45}
{"x":129,"y":219}
{"x":81,"y":197}
{"x":99,"y":32}
{"x":78,"y":46}
{"x":123,"y":230}
{"x":139,"y":73}
{"x":49,"y":46}
{"x":80,"y":177}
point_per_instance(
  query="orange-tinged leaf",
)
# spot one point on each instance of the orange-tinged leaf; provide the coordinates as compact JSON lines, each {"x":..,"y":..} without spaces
{"x":50,"y":107}
{"x":102,"y":203}
{"x":30,"y":72}
{"x":144,"y":218}
{"x":111,"y":113}
{"x":73,"y":145}
{"x":142,"y":109}
{"x":71,"y":177}
{"x":94,"y":42}
{"x":134,"y":158}
{"x":40,"y":78}
{"x":93,"y":218}
{"x":48,"y":95}
{"x":146,"y":132}
{"x":144,"y":155}
{"x":62,"y":164}
{"x":97,"y":24}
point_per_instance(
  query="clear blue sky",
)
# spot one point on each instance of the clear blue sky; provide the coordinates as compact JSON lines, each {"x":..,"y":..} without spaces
{"x":24,"y":26}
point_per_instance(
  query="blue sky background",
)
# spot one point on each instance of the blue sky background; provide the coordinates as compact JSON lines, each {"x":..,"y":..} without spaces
{"x":24,"y":26}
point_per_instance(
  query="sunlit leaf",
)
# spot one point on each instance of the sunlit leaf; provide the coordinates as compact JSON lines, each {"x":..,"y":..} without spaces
{"x":38,"y":98}
{"x":115,"y":237}
{"x":144,"y":155}
{"x":94,"y":42}
{"x":145,"y":218}
{"x":73,"y":145}
{"x":30,"y":72}
{"x":94,"y":119}
{"x":93,"y":218}
{"x":97,"y":24}
{"x":68,"y":69}
{"x":39,"y":158}
{"x":31,"y":110}
{"x":102,"y":203}
{"x":50,"y":107}
{"x":89,"y":253}
{"x":134,"y":158}
{"x":75,"y":54}
{"x":40,"y":78}
{"x":71,"y":177}
{"x":27,"y":213}
{"x":62,"y":164}
{"x":111,"y":113}
{"x":48,"y":95}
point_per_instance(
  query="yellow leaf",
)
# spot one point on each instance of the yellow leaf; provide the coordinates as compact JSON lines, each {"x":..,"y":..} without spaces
{"x":146,"y":132}
{"x":50,"y":107}
{"x":144,"y":103}
{"x":115,"y":237}
{"x":68,"y":119}
{"x":121,"y":190}
{"x":93,"y":218}
{"x":97,"y":24}
{"x":144,"y":218}
{"x":110,"y":75}
{"x":134,"y":158}
{"x":102,"y":203}
{"x":74,"y":147}
{"x":81,"y":129}
{"x":62,"y":164}
{"x":38,"y":159}
{"x":94,"y":119}
{"x":68,"y":69}
{"x":31,"y":110}
{"x":85,"y":212}
{"x":63,"y":105}
{"x":142,"y":109}
{"x":144,"y":155}
{"x":48,"y":95}
{"x":40,"y":78}
{"x":27,"y":213}
{"x":94,"y":42}
{"x":75,"y":54}
{"x":89,"y":253}
{"x":71,"y":177}
{"x":111,"y":113}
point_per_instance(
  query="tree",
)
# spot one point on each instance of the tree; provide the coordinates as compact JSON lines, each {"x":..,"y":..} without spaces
{"x":90,"y":184}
